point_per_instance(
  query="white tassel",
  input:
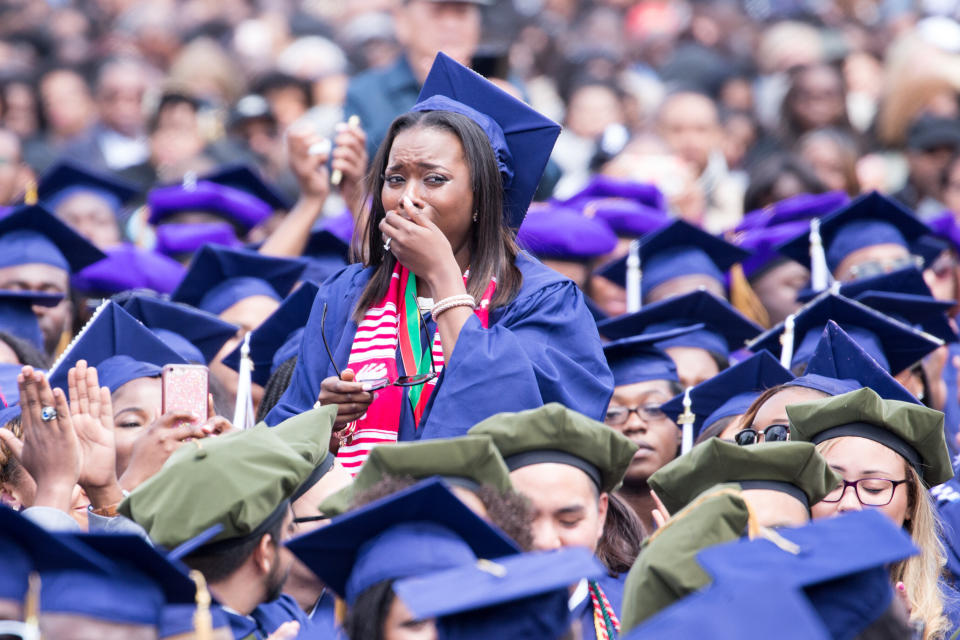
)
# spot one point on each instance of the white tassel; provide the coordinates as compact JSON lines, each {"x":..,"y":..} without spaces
{"x":786,"y":342}
{"x":243,"y":411}
{"x":819,"y":273}
{"x":686,"y":420}
{"x":634,"y":299}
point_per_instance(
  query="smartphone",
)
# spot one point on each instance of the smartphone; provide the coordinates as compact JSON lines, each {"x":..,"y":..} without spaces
{"x":186,"y":388}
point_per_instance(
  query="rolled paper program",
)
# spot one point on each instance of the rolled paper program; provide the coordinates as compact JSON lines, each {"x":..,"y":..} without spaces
{"x":337,"y":176}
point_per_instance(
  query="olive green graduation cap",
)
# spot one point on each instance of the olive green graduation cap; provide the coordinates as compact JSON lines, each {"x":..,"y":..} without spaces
{"x":667,"y":569}
{"x":554,"y":433}
{"x":912,"y":430}
{"x":239,"y":480}
{"x":795,"y":468}
{"x":469,"y":461}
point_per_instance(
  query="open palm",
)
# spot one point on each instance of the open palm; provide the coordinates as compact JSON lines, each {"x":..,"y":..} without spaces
{"x":91,"y":412}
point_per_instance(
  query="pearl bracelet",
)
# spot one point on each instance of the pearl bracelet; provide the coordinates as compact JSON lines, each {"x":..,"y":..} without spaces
{"x":461,"y":300}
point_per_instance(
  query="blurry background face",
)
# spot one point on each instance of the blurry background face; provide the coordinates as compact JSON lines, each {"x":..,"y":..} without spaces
{"x":425,"y":27}
{"x":690,"y":126}
{"x":817,"y":98}
{"x":66,"y":103}
{"x":120,"y":97}
{"x":592,"y":109}
{"x":91,"y":217}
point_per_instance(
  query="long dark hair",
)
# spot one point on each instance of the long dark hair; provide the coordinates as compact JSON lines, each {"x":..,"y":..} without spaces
{"x":622,"y":536}
{"x":493,"y":248}
{"x":365,"y":618}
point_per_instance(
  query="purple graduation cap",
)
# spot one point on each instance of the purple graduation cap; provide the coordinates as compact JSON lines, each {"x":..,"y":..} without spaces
{"x":218,"y":278}
{"x":128,"y":267}
{"x":175,"y":239}
{"x":762,"y":243}
{"x":627,"y":218}
{"x":893,"y":344}
{"x":564,"y":234}
{"x":601,"y":187}
{"x":798,"y":208}
{"x":237,"y":207}
{"x":245,"y":178}
{"x":730,"y":392}
{"x":278,"y":338}
{"x":522,"y":139}
{"x":31,"y":234}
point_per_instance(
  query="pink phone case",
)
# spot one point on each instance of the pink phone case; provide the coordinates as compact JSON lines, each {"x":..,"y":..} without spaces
{"x":185,"y":388}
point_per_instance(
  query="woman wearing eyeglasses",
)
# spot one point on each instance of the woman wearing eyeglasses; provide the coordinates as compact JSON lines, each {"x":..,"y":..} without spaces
{"x":446,"y":323}
{"x":889,"y":454}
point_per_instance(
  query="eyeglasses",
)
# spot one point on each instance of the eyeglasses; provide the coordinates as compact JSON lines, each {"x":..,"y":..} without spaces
{"x":617,"y":416}
{"x":773,"y":433}
{"x":871,"y":492}
{"x":873,"y":268}
{"x":380,"y":383}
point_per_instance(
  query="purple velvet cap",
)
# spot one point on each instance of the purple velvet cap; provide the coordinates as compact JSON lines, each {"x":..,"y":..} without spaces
{"x":177,"y":239}
{"x":801,"y":207}
{"x":601,"y":186}
{"x":564,"y":234}
{"x":627,"y":218}
{"x":237,"y":206}
{"x":129,"y":267}
{"x":762,"y":242}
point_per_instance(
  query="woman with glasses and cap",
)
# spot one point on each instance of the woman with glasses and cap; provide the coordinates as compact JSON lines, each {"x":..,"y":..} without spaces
{"x":446,"y":322}
{"x":889,"y":454}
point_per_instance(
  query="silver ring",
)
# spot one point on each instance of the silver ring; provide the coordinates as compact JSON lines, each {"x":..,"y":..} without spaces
{"x":386,"y":245}
{"x":48,"y":414}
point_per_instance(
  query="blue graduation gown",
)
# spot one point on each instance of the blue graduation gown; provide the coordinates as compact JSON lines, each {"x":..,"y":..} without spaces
{"x":268,"y":617}
{"x":542,"y":347}
{"x":951,"y":409}
{"x":613,"y":589}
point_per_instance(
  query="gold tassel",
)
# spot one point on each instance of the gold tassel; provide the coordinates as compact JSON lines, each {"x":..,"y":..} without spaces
{"x":31,"y":603}
{"x":340,"y":611}
{"x":30,"y":194}
{"x":744,"y":298}
{"x":202,"y":620}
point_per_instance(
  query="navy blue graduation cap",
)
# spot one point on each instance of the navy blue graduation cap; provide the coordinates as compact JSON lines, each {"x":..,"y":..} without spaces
{"x":868,"y":220}
{"x":218,"y":278}
{"x":522,"y":139}
{"x":906,"y":280}
{"x":840,"y":365}
{"x":417,"y":531}
{"x":638,"y":359}
{"x":564,"y":234}
{"x":278,"y":338}
{"x":627,"y":218}
{"x":67,"y":567}
{"x":893,"y":344}
{"x":119,"y":347}
{"x":725,"y":330}
{"x":177,"y":620}
{"x":679,"y":249}
{"x":17,"y":564}
{"x":9,"y":391}
{"x":17,"y":317}
{"x":922,"y":312}
{"x":840,"y":563}
{"x":325,"y":254}
{"x":31,"y":234}
{"x":10,"y":412}
{"x":67,"y":178}
{"x":798,"y":208}
{"x":729,"y":612}
{"x":245,"y":178}
{"x":730,"y":392}
{"x":602,"y":187}
{"x":502,"y":599}
{"x":129,"y":267}
{"x":194,"y":334}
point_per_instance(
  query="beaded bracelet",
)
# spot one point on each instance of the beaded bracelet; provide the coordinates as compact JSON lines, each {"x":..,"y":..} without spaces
{"x":462,"y":300}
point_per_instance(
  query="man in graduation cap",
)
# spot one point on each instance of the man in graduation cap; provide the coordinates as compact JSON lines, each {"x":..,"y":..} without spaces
{"x":699,"y":355}
{"x":39,"y":253}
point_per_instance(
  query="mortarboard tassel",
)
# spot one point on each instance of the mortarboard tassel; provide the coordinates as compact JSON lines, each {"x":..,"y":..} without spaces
{"x":819,"y":273}
{"x":786,"y":342}
{"x":634,"y":275}
{"x":202,"y":621}
{"x":243,"y":411}
{"x":30,"y":195}
{"x":686,"y":420}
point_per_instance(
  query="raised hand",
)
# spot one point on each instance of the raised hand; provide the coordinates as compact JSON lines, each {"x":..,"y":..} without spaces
{"x":350,"y":159}
{"x":91,"y":412}
{"x":157,"y":443}
{"x":308,"y":152}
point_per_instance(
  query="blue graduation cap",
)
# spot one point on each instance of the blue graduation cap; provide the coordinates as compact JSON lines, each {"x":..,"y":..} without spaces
{"x":245,"y":178}
{"x":679,"y":249}
{"x":9,"y":391}
{"x":729,"y":612}
{"x":218,"y":278}
{"x":798,"y":208}
{"x":502,"y":599}
{"x":730,"y":392}
{"x":922,"y":312}
{"x":325,"y":254}
{"x":17,"y":317}
{"x":278,"y":338}
{"x":725,"y":330}
{"x":637,"y":359}
{"x":894,"y":345}
{"x":129,"y":267}
{"x":194,"y":334}
{"x":522,"y":139}
{"x":602,"y":187}
{"x":119,"y":347}
{"x":175,"y":239}
{"x":417,"y":531}
{"x":868,"y":220}
{"x":68,"y":567}
{"x":840,"y":365}
{"x":177,"y":621}
{"x":236,"y":206}
{"x":627,"y":218}
{"x":31,"y":234}
{"x":564,"y":234}
{"x":840,"y":563}
{"x":9,"y":412}
{"x":762,"y":242}
{"x":67,"y":178}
